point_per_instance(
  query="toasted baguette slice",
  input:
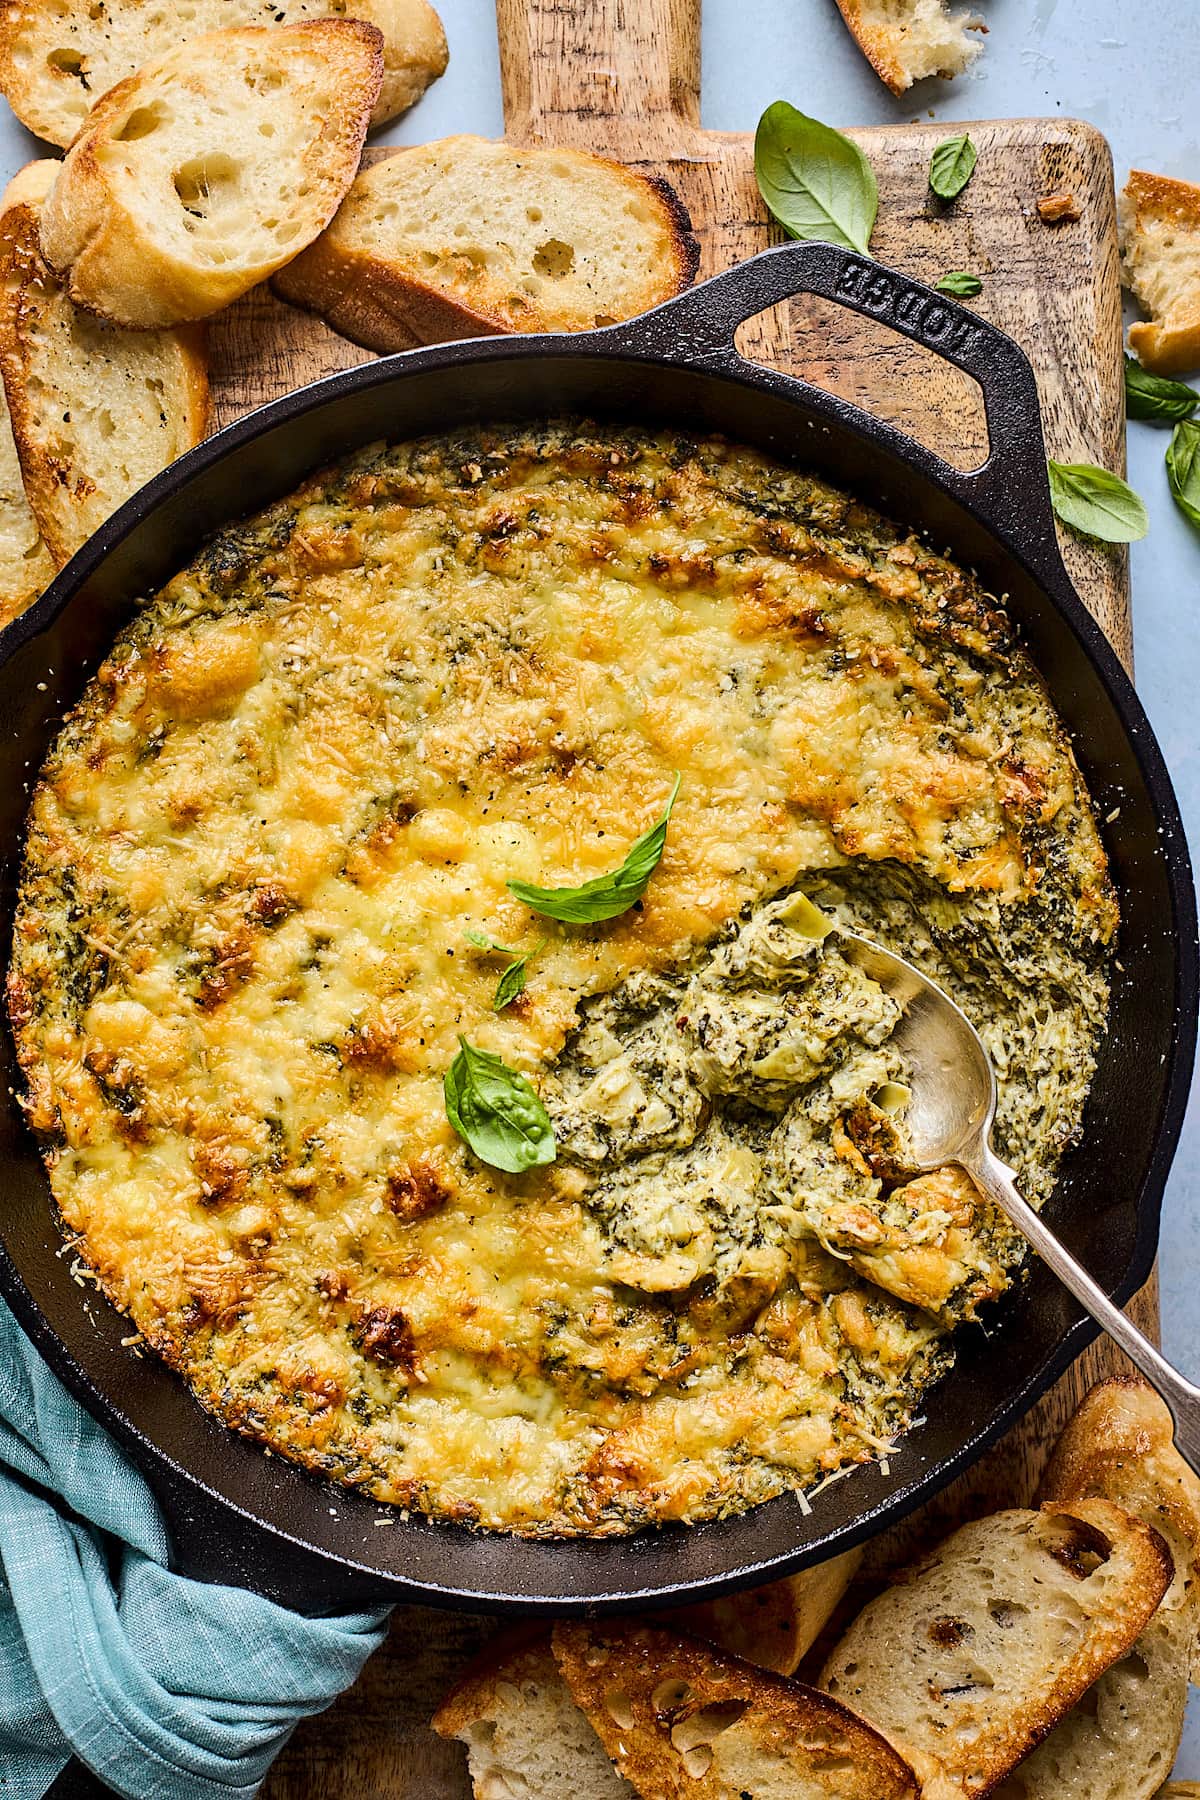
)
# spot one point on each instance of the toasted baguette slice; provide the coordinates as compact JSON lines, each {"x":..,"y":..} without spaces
{"x":1160,"y":263}
{"x":1120,"y":1739}
{"x":95,"y":411}
{"x":1180,"y":1790}
{"x":26,"y":566}
{"x":210,"y":167}
{"x":1120,"y":1446}
{"x":773,"y":1625}
{"x":524,"y":1735}
{"x":906,"y":40}
{"x":974,"y":1656}
{"x":679,"y":1719}
{"x":31,"y":183}
{"x":57,"y":57}
{"x":467,"y":238}
{"x":1124,"y":1734}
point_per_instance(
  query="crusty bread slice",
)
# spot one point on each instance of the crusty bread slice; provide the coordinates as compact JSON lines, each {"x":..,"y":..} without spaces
{"x":1160,"y":263}
{"x":906,"y":40}
{"x":974,"y":1656}
{"x":773,"y":1625}
{"x":1120,"y":1740}
{"x":57,"y":57}
{"x":681,"y":1720}
{"x":31,"y":183}
{"x":1120,"y":1446}
{"x":1123,"y":1736}
{"x":524,"y":1735}
{"x":210,"y":167}
{"x":95,"y":411}
{"x":466,"y":238}
{"x":26,"y":566}
{"x":1179,"y":1790}
{"x":527,"y":1740}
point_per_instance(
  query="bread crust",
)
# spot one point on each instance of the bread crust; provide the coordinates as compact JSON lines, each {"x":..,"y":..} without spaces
{"x":620,"y":1674}
{"x":491,"y":1709}
{"x":1164,"y":349}
{"x":881,"y":58}
{"x":385,"y":306}
{"x":55,"y":486}
{"x":415,"y":52}
{"x":116,"y":263}
{"x":881,"y":48}
{"x":26,"y":566}
{"x":775,"y":1625}
{"x":31,"y":184}
{"x":1170,"y":343}
{"x":1164,"y":197}
{"x":509,"y":1656}
{"x":33,"y":31}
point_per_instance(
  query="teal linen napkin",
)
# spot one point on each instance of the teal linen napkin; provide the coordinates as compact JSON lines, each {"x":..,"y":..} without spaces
{"x":169,"y":1689}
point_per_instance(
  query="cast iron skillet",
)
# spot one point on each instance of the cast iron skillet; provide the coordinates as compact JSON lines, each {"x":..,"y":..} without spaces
{"x":241,"y":1516}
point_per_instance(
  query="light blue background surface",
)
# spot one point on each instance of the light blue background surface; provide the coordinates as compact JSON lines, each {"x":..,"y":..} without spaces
{"x":1131,"y":67}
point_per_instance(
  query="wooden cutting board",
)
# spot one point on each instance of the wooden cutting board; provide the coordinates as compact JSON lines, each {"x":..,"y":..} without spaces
{"x":622,"y":77}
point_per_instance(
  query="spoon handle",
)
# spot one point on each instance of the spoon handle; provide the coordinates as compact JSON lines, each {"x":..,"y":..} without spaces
{"x":996,"y":1180}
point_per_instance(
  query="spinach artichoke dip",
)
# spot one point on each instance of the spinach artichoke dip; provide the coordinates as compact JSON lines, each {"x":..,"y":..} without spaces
{"x":267,"y":957}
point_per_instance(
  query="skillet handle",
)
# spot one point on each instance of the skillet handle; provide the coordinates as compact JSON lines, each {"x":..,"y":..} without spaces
{"x":1011,"y":490}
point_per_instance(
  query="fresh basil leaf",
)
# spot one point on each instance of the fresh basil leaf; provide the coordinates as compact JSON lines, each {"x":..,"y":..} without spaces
{"x":961,"y":283}
{"x":815,"y":182}
{"x":510,"y":984}
{"x":1183,"y":469}
{"x":497,"y":1112}
{"x":1097,"y":502}
{"x":481,"y":941}
{"x":952,"y":166}
{"x":1153,"y":397}
{"x":607,"y":895}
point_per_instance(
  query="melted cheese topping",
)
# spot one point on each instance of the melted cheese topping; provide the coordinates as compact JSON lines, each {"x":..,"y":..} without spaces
{"x":317,"y":757}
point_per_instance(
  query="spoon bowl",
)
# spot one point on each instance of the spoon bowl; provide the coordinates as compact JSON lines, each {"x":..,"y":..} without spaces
{"x":950,"y":1073}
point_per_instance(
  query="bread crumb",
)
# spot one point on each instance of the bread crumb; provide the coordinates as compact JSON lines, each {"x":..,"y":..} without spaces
{"x":1058,"y":209}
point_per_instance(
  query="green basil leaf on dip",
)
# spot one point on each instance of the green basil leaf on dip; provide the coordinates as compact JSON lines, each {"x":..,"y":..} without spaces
{"x":497,"y":1112}
{"x":480,"y":940}
{"x":606,"y":896}
{"x":1155,"y":398}
{"x":952,"y":166}
{"x":510,"y":984}
{"x":961,"y":283}
{"x":1097,"y":502}
{"x":1183,"y":469}
{"x":816,"y":183}
{"x":512,"y":981}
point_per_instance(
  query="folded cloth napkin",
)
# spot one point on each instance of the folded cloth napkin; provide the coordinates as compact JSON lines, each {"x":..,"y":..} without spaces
{"x":169,"y":1689}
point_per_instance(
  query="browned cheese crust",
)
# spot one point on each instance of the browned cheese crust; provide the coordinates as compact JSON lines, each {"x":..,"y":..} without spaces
{"x":317,"y":757}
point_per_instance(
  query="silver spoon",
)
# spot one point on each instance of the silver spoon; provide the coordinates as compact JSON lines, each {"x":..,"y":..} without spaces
{"x":949,"y":1120}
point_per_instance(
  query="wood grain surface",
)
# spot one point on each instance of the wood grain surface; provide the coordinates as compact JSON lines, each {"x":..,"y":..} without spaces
{"x":622,"y":77}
